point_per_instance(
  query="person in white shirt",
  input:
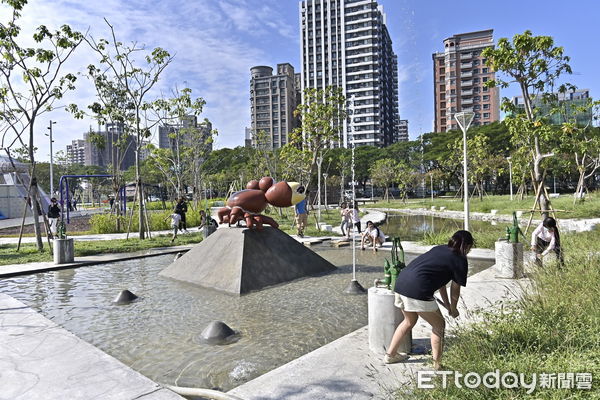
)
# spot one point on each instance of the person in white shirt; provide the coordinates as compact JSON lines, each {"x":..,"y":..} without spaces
{"x":372,"y":235}
{"x":544,"y":239}
{"x":345,"y":215}
{"x":175,"y":220}
{"x":354,"y":219}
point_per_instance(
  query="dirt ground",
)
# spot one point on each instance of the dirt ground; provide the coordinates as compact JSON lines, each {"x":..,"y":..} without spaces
{"x":77,"y":224}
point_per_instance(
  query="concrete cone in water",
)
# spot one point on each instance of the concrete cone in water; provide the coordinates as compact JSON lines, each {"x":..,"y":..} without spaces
{"x":216,"y":332}
{"x":125,"y":297}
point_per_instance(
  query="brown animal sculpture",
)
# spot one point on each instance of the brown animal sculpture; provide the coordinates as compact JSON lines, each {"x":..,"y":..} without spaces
{"x":249,"y":203}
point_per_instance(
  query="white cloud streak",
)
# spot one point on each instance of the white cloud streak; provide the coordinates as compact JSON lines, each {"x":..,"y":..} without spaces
{"x":215,"y":44}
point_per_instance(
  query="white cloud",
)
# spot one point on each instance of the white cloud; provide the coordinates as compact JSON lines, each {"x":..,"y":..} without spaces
{"x":215,"y":43}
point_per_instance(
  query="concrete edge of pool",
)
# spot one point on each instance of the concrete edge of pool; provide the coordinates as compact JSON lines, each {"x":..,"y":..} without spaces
{"x":37,"y":267}
{"x":347,"y":369}
{"x":41,"y":360}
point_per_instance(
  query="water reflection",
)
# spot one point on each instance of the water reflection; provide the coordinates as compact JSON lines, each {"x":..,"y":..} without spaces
{"x":158,"y":335}
{"x":415,"y":227}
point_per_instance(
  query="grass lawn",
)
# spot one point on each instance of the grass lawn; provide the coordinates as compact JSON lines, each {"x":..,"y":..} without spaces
{"x":28,"y":252}
{"x":586,"y":209}
{"x":553,"y":329}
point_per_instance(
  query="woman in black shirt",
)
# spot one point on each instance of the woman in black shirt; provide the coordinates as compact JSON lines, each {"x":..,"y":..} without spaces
{"x":416,"y":285}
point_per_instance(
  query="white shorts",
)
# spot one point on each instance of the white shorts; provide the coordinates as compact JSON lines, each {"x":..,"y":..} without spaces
{"x":413,"y":305}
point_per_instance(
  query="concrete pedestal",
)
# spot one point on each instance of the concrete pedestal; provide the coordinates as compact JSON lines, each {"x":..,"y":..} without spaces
{"x":384,"y":317}
{"x":509,"y":260}
{"x":64,"y":251}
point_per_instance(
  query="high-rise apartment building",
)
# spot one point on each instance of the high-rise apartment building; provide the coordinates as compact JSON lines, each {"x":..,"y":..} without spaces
{"x":346,"y":43}
{"x":573,"y":106}
{"x":110,"y":146}
{"x":76,"y":152}
{"x":185,"y":133}
{"x":104,"y":147}
{"x":273,"y":100}
{"x":401,"y":133}
{"x":459,"y":74}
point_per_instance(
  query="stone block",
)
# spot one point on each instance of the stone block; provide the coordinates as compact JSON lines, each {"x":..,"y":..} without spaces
{"x":240,"y":260}
{"x":509,"y":260}
{"x":384,"y":318}
{"x":64,"y":251}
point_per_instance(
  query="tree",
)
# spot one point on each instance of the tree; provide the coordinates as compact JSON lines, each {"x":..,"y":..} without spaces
{"x":383,"y":174}
{"x":535,"y":64}
{"x":583,"y":143}
{"x":321,"y":116}
{"x":134,"y":82}
{"x":405,"y":176}
{"x":31,"y":81}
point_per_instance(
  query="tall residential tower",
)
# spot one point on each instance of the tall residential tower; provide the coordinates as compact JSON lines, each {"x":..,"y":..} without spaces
{"x":346,"y":43}
{"x":273,"y":100}
{"x":459,"y":74}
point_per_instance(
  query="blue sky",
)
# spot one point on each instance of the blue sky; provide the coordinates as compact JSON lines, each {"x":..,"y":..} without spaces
{"x":217,"y":41}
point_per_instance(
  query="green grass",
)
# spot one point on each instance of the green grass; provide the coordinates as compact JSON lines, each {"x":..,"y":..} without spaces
{"x":553,"y":329}
{"x":483,"y":239}
{"x":585,"y":209}
{"x":28,"y":252}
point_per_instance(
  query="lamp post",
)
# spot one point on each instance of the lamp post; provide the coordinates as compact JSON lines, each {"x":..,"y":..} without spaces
{"x":354,"y":287}
{"x":464,"y":120}
{"x":51,"y":160}
{"x":325,"y":175}
{"x":319,"y":162}
{"x":510,"y":176}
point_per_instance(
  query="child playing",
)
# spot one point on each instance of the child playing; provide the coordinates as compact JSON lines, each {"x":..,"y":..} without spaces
{"x":175,"y":219}
{"x":372,"y":235}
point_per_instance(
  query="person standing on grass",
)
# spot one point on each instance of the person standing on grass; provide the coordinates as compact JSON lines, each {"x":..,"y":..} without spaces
{"x":53,"y":216}
{"x":181,"y":208}
{"x":415,"y":286}
{"x":175,"y":220}
{"x":544,"y":239}
{"x":301,"y":212}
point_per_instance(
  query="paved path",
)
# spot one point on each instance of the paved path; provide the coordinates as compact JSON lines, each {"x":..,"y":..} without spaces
{"x":41,"y":360}
{"x":13,"y":222}
{"x":347,"y":370}
{"x":35,"y":267}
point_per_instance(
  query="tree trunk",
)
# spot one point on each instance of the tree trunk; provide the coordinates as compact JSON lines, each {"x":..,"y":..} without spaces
{"x":35,"y":208}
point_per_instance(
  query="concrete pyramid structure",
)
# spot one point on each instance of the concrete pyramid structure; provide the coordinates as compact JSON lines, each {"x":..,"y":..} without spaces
{"x":239,"y":260}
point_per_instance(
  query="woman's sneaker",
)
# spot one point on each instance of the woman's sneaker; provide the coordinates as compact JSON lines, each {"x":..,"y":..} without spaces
{"x":396,"y":358}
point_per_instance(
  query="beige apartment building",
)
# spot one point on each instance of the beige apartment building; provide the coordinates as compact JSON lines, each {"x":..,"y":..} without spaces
{"x":459,"y":75}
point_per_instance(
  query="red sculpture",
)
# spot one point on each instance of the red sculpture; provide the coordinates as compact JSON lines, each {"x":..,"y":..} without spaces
{"x":249,"y":203}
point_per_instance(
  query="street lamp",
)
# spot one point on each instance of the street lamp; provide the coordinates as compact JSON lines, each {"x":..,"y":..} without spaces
{"x":464,"y":120}
{"x":51,"y":160}
{"x":325,"y":175}
{"x":319,"y":162}
{"x":353,"y":287}
{"x":510,"y":176}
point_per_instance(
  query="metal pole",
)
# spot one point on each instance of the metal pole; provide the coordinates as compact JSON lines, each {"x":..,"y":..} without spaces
{"x":466,"y":181}
{"x":431,"y":179}
{"x":319,"y":161}
{"x":51,"y":161}
{"x":325,"y":175}
{"x":510,"y":177}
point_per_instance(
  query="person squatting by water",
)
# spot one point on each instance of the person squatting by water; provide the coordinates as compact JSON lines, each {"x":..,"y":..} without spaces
{"x":546,"y":238}
{"x":372,"y":235}
{"x":415,"y":286}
